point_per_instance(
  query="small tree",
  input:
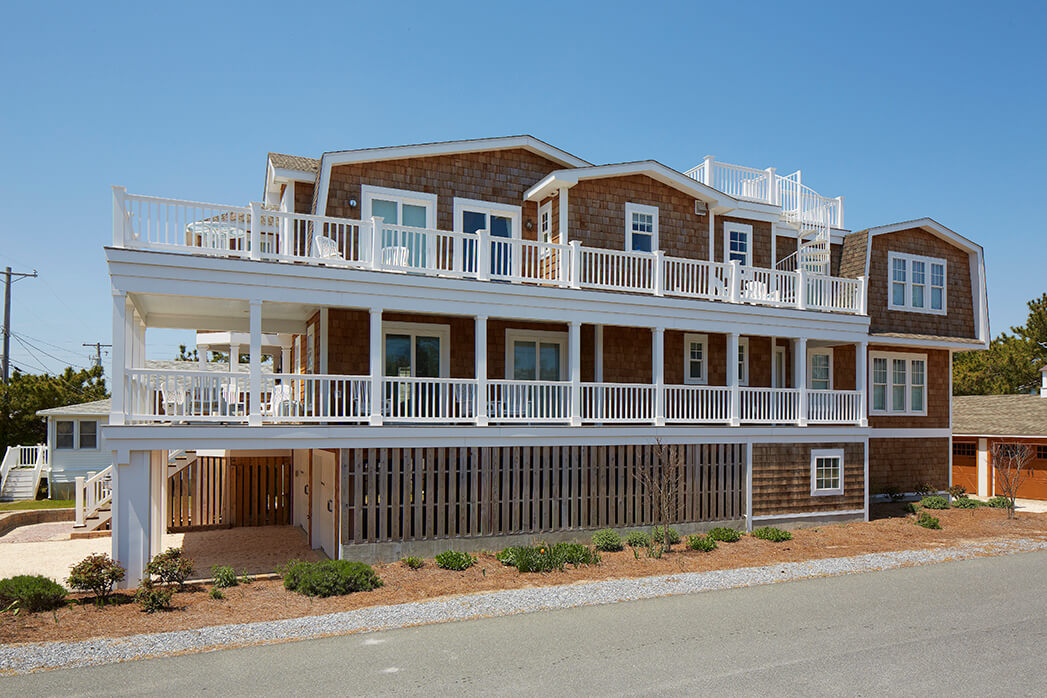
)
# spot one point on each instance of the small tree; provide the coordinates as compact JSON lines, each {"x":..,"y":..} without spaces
{"x":661,"y":482}
{"x":1010,"y":461}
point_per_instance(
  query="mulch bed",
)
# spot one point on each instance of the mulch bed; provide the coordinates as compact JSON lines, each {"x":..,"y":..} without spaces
{"x":267,"y":599}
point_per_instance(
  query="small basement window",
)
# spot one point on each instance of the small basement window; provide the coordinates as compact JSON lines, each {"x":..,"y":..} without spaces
{"x":826,"y":471}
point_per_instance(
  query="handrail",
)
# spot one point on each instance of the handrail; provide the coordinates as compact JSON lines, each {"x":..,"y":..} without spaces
{"x":92,"y":493}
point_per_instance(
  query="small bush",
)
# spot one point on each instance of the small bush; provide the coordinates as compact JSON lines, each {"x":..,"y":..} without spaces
{"x":999,"y":502}
{"x":97,"y":574}
{"x":674,"y":537}
{"x":31,"y":593}
{"x":637,"y":539}
{"x":934,"y":502}
{"x":507,"y":556}
{"x":546,"y":558}
{"x":928,"y":521}
{"x":455,"y":560}
{"x":414,"y":563}
{"x":957,"y":491}
{"x":217,"y":594}
{"x":923,"y":490}
{"x":246,"y":579}
{"x":911,"y":507}
{"x":223,"y":576}
{"x":153,"y":597}
{"x":967,"y":503}
{"x":704,"y":544}
{"x":170,"y":567}
{"x":607,"y":541}
{"x":775,"y":535}
{"x":329,"y":577}
{"x":725,"y":535}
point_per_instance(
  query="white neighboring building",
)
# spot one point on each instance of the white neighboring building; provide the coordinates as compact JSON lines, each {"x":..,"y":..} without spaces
{"x":74,"y":444}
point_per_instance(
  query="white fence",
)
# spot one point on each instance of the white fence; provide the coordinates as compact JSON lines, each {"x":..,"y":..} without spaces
{"x":257,"y":233}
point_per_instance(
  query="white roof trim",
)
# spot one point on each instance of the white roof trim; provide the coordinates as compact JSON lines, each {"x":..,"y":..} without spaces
{"x":530,"y":143}
{"x":652,"y":168}
{"x":931,"y":226}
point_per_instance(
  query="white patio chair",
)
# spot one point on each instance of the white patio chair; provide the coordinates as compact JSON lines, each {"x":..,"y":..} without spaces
{"x":396,"y":256}
{"x":233,"y":399}
{"x":281,"y":402}
{"x":325,"y":248}
{"x":173,"y":398}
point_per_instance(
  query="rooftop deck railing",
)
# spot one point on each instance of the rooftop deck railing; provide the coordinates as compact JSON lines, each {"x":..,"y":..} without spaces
{"x":254,"y":232}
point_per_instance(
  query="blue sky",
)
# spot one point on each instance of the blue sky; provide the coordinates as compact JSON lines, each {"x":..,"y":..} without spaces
{"x":906,"y":109}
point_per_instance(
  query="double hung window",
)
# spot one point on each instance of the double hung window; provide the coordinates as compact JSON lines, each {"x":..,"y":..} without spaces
{"x":917,"y":284}
{"x":899,"y":383}
{"x":641,"y":228}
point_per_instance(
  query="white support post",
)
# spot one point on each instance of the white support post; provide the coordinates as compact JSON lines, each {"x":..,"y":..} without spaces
{"x":736,"y":282}
{"x":863,"y":295}
{"x":839,"y":212}
{"x":749,"y":487}
{"x":376,"y":241}
{"x":481,"y":370}
{"x":861,"y":382}
{"x":707,"y":170}
{"x":254,"y":417}
{"x":234,"y":357}
{"x":78,"y":512}
{"x":658,"y":373}
{"x":772,"y":195}
{"x":576,"y":264}
{"x":774,"y":250}
{"x":574,"y":341}
{"x":118,"y":378}
{"x":483,"y":255}
{"x":801,"y":283}
{"x":376,"y":366}
{"x":800,"y":377}
{"x":324,"y":315}
{"x":119,"y":219}
{"x":659,"y":273}
{"x":285,"y":360}
{"x":256,"y":230}
{"x":563,"y":214}
{"x":135,"y":479}
{"x":733,"y":378}
{"x":712,"y":234}
{"x":598,"y":359}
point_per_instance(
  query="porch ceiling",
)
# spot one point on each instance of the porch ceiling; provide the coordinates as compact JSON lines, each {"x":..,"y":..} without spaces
{"x":218,"y":314}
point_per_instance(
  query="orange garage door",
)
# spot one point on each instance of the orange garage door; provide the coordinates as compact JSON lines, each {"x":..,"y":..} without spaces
{"x":1035,"y":485}
{"x":965,"y":466}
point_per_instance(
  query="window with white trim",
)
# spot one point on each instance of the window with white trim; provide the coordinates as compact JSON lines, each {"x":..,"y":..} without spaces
{"x":88,"y":436}
{"x":65,"y":435}
{"x":695,"y":359}
{"x":416,"y":350}
{"x":535,"y":355}
{"x":826,"y":471}
{"x":743,"y":361}
{"x":397,"y":208}
{"x":899,"y":383}
{"x":737,"y":243}
{"x":820,"y":369}
{"x":917,"y":283}
{"x":641,"y":228}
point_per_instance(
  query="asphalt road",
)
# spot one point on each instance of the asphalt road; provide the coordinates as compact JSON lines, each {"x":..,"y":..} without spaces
{"x":977,"y":627}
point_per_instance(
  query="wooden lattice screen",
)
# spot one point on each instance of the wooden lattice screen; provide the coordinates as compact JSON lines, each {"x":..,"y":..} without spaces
{"x":216,"y":492}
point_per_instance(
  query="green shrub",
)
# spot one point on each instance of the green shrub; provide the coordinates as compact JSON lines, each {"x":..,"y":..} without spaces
{"x":246,"y":579}
{"x":607,"y":541}
{"x":217,"y":593}
{"x":507,"y":556}
{"x":329,"y":577}
{"x":999,"y":502}
{"x":674,"y":537}
{"x":725,"y":535}
{"x":575,"y":554}
{"x":31,"y":593}
{"x":546,"y":558}
{"x":170,"y":567}
{"x":775,"y":535}
{"x":223,"y":576}
{"x":637,"y":539}
{"x":455,"y":560}
{"x":153,"y":597}
{"x":911,"y":507}
{"x":934,"y":502}
{"x":415,"y":563}
{"x":703,"y":544}
{"x":966,"y":503}
{"x":923,"y":490}
{"x":928,"y":521}
{"x":97,"y":574}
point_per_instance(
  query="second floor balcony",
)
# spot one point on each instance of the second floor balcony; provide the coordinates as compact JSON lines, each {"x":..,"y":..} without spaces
{"x":257,"y":233}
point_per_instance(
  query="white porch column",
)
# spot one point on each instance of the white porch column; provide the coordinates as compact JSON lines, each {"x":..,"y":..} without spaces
{"x":255,"y":322}
{"x":324,"y":314}
{"x":285,"y":356}
{"x":800,"y":376}
{"x":376,"y":366}
{"x":480,"y":357}
{"x":984,"y":473}
{"x":861,"y":377}
{"x":157,"y":490}
{"x":563,"y":216}
{"x":598,"y":358}
{"x":658,"y":373}
{"x":234,"y":357}
{"x":574,"y":347}
{"x":137,"y":477}
{"x":120,"y":353}
{"x":732,"y":379}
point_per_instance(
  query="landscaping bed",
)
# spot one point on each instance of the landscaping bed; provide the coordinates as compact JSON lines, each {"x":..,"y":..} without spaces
{"x":269,"y":600}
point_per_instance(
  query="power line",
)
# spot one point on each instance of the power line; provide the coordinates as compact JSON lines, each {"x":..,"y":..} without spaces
{"x":26,"y":343}
{"x":4,"y":367}
{"x":98,"y":351}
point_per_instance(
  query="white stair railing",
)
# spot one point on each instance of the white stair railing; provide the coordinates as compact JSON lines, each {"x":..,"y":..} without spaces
{"x":92,"y":493}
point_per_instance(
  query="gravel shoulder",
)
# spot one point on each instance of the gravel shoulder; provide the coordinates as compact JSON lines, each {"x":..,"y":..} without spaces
{"x":19,"y":659}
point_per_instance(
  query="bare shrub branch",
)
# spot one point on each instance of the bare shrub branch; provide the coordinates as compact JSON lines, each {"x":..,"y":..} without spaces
{"x":1010,"y":462}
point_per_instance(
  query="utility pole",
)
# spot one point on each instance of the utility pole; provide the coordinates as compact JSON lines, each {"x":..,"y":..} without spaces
{"x":7,"y":316}
{"x":97,"y":346}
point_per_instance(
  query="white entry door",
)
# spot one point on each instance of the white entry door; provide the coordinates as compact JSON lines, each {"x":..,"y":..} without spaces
{"x":324,"y":503}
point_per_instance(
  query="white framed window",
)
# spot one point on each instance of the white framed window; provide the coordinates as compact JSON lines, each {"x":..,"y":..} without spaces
{"x":695,"y":359}
{"x":416,"y":350}
{"x":778,"y":368}
{"x":641,"y":228}
{"x":535,"y":355}
{"x":88,"y":437}
{"x":545,"y":222}
{"x":917,"y":283}
{"x":65,"y":435}
{"x":899,"y":383}
{"x":743,"y":361}
{"x":820,"y":369}
{"x":399,"y":206}
{"x":737,"y":243}
{"x":826,"y":471}
{"x":499,"y":220}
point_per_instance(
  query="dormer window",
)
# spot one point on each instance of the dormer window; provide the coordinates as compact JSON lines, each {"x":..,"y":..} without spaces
{"x":641,"y":228}
{"x":917,"y":284}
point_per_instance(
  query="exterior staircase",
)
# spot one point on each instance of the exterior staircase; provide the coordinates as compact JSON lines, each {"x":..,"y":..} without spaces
{"x":20,"y":472}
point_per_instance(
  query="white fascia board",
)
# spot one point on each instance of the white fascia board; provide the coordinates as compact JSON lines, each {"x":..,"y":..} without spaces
{"x":281,"y":174}
{"x":173,"y":274}
{"x":927,"y":343}
{"x":235,"y":437}
{"x":915,"y":433}
{"x":931,"y":226}
{"x":530,"y":143}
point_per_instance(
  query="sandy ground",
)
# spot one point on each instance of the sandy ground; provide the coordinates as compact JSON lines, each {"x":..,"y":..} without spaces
{"x":268,"y":600}
{"x":33,"y":550}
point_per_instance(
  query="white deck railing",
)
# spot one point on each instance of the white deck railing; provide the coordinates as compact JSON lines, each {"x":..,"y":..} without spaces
{"x":257,"y":233}
{"x":309,"y":399}
{"x":34,"y":457}
{"x":92,"y":493}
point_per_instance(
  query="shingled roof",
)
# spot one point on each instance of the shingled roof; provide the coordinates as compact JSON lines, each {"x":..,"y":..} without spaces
{"x":999,"y":415}
{"x":298,"y":163}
